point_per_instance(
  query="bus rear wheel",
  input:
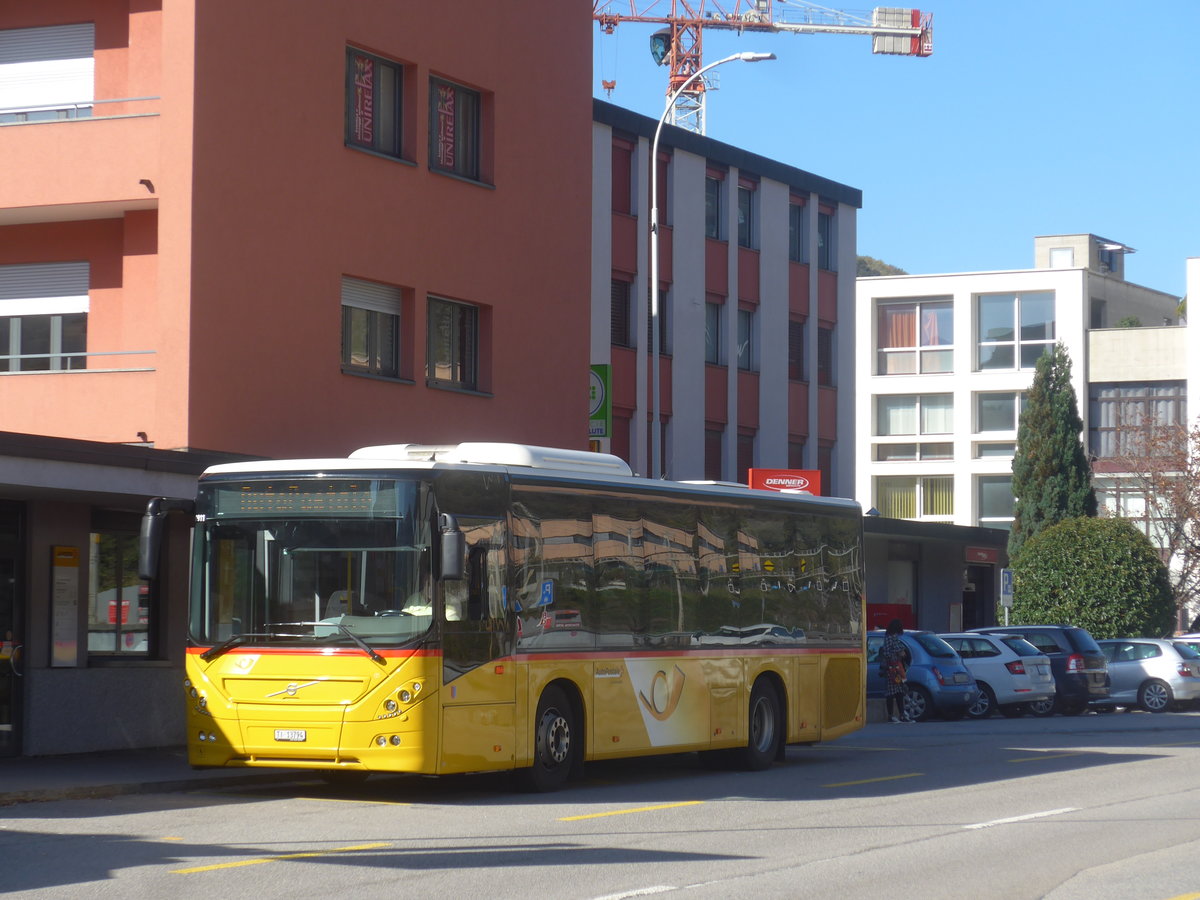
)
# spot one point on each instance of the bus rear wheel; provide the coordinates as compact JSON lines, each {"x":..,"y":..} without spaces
{"x":554,"y":737}
{"x":765,"y":729}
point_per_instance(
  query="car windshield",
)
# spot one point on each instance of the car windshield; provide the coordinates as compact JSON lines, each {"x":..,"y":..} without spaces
{"x":344,"y":576}
{"x":935,"y":646}
{"x":1021,"y":647}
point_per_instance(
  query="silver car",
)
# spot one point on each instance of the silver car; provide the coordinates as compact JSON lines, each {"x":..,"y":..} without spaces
{"x":1152,"y":673}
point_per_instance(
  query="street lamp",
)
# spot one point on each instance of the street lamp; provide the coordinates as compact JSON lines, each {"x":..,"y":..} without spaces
{"x":656,"y":420}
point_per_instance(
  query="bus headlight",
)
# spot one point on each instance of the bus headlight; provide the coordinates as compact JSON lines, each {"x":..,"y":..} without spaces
{"x":390,"y":705}
{"x":405,"y":696}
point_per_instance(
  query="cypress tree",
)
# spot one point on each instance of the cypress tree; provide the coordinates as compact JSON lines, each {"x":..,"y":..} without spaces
{"x":1052,"y":478}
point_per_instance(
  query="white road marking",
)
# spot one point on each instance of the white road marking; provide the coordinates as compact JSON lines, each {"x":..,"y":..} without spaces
{"x":1025,"y":818}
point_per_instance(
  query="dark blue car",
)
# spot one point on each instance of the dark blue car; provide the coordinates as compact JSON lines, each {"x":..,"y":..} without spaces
{"x":938,"y":682}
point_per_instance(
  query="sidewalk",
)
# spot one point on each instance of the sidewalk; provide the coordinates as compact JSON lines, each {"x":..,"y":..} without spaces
{"x":112,"y":773}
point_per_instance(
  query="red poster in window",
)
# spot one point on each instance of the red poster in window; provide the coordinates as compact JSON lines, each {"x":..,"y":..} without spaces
{"x":445,"y":126}
{"x":807,"y":480}
{"x":364,"y":100}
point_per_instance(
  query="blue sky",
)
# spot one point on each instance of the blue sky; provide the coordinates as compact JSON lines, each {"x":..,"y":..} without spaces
{"x":1031,"y":117}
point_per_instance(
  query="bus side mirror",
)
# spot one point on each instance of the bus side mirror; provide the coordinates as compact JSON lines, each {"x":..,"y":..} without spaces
{"x":454,"y":549}
{"x":150,"y":536}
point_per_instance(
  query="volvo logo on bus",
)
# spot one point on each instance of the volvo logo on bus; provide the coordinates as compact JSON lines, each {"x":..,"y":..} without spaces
{"x":291,"y":689}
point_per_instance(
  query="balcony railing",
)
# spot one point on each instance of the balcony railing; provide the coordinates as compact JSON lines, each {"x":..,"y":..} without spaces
{"x":61,"y":112}
{"x":64,"y":363}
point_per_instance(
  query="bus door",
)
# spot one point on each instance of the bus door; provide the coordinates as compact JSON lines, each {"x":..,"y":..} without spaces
{"x":11,"y":627}
{"x":478,"y":676}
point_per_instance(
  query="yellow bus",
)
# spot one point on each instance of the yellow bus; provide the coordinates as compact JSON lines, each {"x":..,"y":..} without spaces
{"x":483,"y":607}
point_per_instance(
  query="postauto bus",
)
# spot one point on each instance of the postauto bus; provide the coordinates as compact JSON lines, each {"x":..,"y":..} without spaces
{"x":481,"y":607}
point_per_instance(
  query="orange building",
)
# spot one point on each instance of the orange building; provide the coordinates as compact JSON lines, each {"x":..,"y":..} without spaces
{"x":279,"y":228}
{"x":293,"y":229}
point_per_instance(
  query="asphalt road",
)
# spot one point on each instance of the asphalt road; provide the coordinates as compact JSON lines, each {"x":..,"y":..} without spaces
{"x":1096,"y":807}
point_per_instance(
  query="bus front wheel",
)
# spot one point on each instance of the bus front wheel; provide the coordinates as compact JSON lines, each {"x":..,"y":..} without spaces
{"x":554,"y":742}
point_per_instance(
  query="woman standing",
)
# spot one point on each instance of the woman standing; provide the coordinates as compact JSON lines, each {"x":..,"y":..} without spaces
{"x":893,"y":658}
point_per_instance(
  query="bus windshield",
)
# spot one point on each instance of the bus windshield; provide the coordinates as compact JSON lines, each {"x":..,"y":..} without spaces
{"x":342,"y":564}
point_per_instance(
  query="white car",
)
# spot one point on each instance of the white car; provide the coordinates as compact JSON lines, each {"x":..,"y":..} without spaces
{"x":1009,"y":670}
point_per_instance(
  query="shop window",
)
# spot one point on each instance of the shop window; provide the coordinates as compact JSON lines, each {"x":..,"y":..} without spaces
{"x":120,"y":611}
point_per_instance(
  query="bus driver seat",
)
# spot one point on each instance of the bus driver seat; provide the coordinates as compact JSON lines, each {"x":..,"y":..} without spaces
{"x":340,"y":604}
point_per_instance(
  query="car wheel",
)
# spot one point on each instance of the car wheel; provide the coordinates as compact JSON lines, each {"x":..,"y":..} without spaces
{"x":554,"y":743}
{"x":1012,"y":710}
{"x":765,"y":729}
{"x":918,"y":704}
{"x":985,"y":705}
{"x":1155,"y":696}
{"x":1044,"y":708}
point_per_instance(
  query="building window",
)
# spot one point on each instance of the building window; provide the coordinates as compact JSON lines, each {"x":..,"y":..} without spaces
{"x":119,"y":607}
{"x":998,"y":411}
{"x":913,"y":497}
{"x":43,"y":317}
{"x":714,"y":349}
{"x":796,"y":350}
{"x":826,"y":252}
{"x":909,"y":415}
{"x":747,"y":351}
{"x":712,"y":207}
{"x":621,"y":335}
{"x":454,"y":128}
{"x":745,"y":457}
{"x":797,"y":233}
{"x":915,"y":336}
{"x":713,"y":453}
{"x":1118,"y":412}
{"x":795,"y":453}
{"x":374,"y":97}
{"x":1014,"y":330}
{"x":453,"y":356}
{"x":47,"y":73}
{"x":622,"y":176}
{"x":825,"y":360}
{"x":1062,"y":257}
{"x":747,"y":237}
{"x":996,"y":501}
{"x":370,"y":328}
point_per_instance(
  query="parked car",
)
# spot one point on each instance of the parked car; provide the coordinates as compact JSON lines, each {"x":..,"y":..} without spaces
{"x":1010,"y":672}
{"x":938,"y":682}
{"x":1151,"y":673}
{"x":1080,"y":667}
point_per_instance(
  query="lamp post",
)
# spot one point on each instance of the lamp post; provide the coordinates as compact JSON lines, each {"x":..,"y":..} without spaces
{"x":655,"y":341}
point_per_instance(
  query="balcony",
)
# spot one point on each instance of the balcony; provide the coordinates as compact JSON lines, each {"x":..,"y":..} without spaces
{"x":80,"y":166}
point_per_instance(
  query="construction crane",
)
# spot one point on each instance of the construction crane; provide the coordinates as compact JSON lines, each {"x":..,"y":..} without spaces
{"x":895,"y":31}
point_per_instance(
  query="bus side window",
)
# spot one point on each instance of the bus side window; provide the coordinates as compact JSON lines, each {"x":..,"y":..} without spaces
{"x":477,"y":572}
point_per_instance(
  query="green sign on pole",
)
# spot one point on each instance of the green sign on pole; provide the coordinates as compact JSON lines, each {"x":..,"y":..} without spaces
{"x":599,"y":407}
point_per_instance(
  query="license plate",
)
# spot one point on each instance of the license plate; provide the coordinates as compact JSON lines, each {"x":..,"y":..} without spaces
{"x":291,"y":734}
{"x":961,"y":677}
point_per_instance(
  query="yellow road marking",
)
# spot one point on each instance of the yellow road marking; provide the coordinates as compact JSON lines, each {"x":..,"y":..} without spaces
{"x":625,"y":812}
{"x":268,"y":859}
{"x":873,"y":780}
{"x":1044,"y":756}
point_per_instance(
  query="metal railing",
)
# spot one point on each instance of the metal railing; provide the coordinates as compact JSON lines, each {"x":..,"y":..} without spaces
{"x":57,"y":367}
{"x":64,"y":112}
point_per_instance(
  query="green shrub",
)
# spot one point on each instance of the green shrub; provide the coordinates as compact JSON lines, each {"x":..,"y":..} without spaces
{"x":1100,"y":574}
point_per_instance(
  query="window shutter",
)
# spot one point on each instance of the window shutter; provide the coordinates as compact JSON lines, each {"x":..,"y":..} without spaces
{"x":619,"y":313}
{"x":369,"y":295}
{"x":47,"y":67}
{"x":44,"y":289}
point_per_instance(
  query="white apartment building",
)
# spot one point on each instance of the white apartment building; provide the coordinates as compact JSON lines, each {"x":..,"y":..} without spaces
{"x":943,"y":363}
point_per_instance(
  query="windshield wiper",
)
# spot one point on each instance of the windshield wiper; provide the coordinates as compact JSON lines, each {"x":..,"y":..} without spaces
{"x":238,"y":639}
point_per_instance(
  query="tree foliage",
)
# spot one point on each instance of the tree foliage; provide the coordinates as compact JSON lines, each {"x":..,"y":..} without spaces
{"x":869,"y":265}
{"x":1159,"y":464}
{"x":1052,"y":478}
{"x":1100,"y":574}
